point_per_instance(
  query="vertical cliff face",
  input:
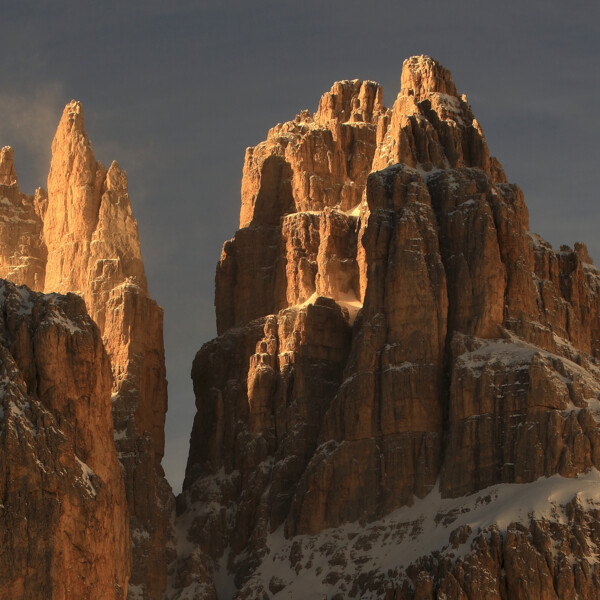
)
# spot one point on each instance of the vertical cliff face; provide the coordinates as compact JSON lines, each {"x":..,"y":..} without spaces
{"x":390,"y":335}
{"x":296,"y":184}
{"x":82,"y":237}
{"x":63,"y":515}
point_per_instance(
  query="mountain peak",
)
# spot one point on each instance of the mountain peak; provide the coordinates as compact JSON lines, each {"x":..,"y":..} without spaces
{"x":82,"y":237}
{"x":391,"y":335}
{"x":73,"y":111}
{"x":423,"y":75}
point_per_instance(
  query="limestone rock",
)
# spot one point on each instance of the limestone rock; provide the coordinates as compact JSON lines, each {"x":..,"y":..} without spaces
{"x":64,"y":527}
{"x":398,"y":345}
{"x":516,"y":413}
{"x":392,"y":340}
{"x":22,"y":251}
{"x":431,"y":126}
{"x":305,"y":166}
{"x":93,"y":249}
{"x":259,"y":450}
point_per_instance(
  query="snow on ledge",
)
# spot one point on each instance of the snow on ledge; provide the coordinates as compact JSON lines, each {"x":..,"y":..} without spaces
{"x":410,"y":532}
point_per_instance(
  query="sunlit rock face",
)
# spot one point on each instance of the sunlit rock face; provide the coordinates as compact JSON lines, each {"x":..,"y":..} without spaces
{"x":22,"y":250}
{"x":81,"y":237}
{"x":64,"y":525}
{"x":392,"y":338}
{"x":93,"y":249}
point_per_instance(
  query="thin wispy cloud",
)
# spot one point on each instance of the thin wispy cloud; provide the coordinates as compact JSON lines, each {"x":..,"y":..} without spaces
{"x":28,"y":122}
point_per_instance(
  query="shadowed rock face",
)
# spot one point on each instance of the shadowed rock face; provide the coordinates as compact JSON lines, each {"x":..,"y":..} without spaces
{"x":64,"y":530}
{"x":81,"y":237}
{"x":389,"y":331}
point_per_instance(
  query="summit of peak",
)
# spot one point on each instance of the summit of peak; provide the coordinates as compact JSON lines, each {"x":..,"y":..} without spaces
{"x":72,"y":118}
{"x":74,"y":110}
{"x":70,"y":140}
{"x":74,"y":106}
{"x":350,"y":100}
{"x":422,"y":75}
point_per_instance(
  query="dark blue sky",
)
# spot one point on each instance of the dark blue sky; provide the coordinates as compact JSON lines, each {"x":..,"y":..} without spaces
{"x":175,"y":91}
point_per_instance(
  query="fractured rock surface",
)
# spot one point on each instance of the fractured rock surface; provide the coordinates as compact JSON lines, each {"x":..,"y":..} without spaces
{"x":64,"y":530}
{"x":389,"y":332}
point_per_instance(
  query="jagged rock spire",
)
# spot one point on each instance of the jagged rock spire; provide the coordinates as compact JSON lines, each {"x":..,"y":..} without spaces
{"x":82,"y":237}
{"x":8,"y":173}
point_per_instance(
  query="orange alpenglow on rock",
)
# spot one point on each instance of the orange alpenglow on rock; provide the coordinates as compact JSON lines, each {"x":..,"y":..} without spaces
{"x":393,"y":338}
{"x":81,"y":237}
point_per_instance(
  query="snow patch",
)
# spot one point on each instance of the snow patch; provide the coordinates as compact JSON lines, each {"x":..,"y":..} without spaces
{"x":348,"y":301}
{"x":86,"y":478}
{"x":351,"y":303}
{"x":135,"y":592}
{"x":59,"y":319}
{"x":120,"y":435}
{"x":139,"y":535}
{"x":396,"y":541}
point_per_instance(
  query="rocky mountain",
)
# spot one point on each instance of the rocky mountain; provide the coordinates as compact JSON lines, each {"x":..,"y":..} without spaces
{"x":80,"y":236}
{"x":403,"y":400}
{"x":403,"y":397}
{"x":64,"y":530}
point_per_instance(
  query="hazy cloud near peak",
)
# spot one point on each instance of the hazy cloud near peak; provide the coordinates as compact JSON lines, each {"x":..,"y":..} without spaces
{"x":29,"y":120}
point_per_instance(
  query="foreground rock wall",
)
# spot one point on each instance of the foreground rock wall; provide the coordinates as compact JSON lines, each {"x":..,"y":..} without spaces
{"x":82,"y":237}
{"x":386,"y":321}
{"x":64,"y":530}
